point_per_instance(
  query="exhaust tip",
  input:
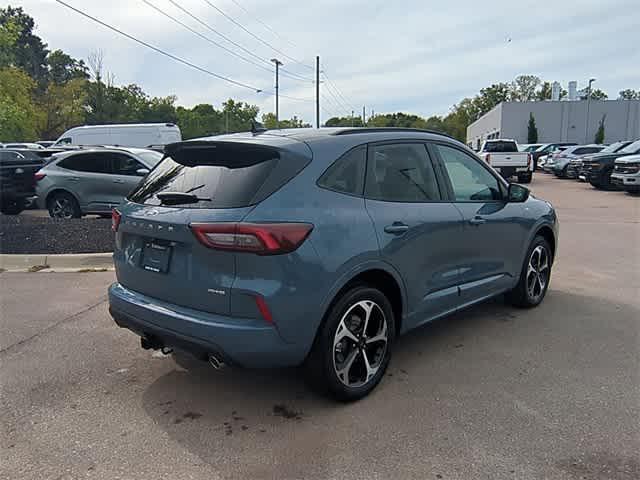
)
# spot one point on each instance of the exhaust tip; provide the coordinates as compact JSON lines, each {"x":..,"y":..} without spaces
{"x":216,"y":362}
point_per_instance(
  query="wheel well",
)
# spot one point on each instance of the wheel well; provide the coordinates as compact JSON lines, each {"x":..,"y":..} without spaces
{"x":547,"y":234}
{"x":58,"y":190}
{"x":384,"y":282}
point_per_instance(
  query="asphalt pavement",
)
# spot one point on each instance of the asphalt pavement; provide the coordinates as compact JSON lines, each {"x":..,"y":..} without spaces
{"x":492,"y":392}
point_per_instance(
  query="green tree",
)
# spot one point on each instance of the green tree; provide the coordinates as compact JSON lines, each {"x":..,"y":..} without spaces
{"x":344,"y":122}
{"x":64,"y":68}
{"x":492,"y":96}
{"x":29,"y":52}
{"x":19,"y":114}
{"x":9,"y":34}
{"x":598,"y":94}
{"x":629,"y":94}
{"x":532,"y":129}
{"x":62,"y":107}
{"x":269,"y":121}
{"x":524,"y":88}
{"x":599,"y":138}
{"x":200,"y":121}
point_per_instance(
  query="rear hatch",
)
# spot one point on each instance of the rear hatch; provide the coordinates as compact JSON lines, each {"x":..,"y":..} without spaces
{"x":159,"y":251}
{"x":504,"y":153}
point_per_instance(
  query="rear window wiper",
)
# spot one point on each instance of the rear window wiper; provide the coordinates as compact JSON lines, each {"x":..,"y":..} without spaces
{"x":179,"y":198}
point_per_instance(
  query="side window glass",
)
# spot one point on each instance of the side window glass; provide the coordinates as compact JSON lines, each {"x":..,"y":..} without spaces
{"x":470,"y":180}
{"x":346,"y":175}
{"x":125,"y":165}
{"x":91,"y":163}
{"x":401,"y":173}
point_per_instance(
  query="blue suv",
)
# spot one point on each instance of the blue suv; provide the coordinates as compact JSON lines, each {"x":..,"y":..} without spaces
{"x":320,"y":247}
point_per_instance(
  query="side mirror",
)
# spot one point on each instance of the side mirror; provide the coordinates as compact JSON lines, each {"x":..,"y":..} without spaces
{"x":142,"y":172}
{"x":517,"y":193}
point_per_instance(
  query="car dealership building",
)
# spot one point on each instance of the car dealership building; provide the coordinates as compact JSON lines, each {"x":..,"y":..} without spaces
{"x":558,"y":121}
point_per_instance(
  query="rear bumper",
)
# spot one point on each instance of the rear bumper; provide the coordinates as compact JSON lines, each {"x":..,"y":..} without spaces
{"x":243,"y":342}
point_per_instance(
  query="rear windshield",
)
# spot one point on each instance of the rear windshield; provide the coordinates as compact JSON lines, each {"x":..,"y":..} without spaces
{"x":507,"y":147}
{"x":215,"y":186}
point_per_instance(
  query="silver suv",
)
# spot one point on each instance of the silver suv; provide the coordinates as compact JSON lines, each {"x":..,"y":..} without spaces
{"x":91,"y":181}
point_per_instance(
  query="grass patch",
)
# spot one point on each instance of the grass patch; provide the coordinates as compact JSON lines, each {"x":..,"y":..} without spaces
{"x":37,"y":268}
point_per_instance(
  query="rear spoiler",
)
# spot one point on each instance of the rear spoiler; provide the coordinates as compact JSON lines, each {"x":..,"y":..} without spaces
{"x":220,"y":154}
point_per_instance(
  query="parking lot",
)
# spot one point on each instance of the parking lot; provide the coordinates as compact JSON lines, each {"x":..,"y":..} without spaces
{"x":492,"y":392}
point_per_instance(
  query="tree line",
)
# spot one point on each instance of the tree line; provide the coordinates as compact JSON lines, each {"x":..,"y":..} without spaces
{"x":44,"y":92}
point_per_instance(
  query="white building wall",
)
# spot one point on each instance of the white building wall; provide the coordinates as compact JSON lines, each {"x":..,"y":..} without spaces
{"x":561,"y":121}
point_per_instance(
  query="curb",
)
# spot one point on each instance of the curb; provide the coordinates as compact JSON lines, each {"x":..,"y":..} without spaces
{"x":56,"y":263}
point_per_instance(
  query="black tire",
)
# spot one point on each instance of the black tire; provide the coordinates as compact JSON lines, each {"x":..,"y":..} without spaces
{"x":12,"y":206}
{"x":63,"y":205}
{"x":329,"y":352}
{"x":523,"y":295}
{"x":605,"y":182}
{"x":525,"y":177}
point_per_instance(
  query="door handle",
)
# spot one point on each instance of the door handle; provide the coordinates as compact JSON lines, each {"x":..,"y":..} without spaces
{"x":477,"y":220}
{"x":73,"y":179}
{"x":397,"y":228}
{"x":118,"y":181}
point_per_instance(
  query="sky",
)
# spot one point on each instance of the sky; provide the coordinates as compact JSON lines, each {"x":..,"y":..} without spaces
{"x":414,"y":56}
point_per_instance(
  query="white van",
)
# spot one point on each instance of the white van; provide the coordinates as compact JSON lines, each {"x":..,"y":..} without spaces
{"x":143,"y":135}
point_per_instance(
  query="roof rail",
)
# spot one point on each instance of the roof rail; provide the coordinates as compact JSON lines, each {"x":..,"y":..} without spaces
{"x":350,"y":131}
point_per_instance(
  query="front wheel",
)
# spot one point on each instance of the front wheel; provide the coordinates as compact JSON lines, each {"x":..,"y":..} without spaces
{"x":63,"y":205}
{"x":353,"y":347}
{"x":536,"y":274}
{"x":12,"y":206}
{"x":525,"y":177}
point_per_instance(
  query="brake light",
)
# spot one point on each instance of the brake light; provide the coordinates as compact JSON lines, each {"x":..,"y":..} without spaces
{"x":39,"y":176}
{"x":116,"y":216}
{"x":259,"y":238}
{"x":487,"y":158}
{"x":263,"y":308}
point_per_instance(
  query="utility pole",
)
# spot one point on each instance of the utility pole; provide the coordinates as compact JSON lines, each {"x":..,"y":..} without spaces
{"x":363,"y":116}
{"x":352,"y":119}
{"x":317,"y":91}
{"x":278,"y":63}
{"x":586,"y":127}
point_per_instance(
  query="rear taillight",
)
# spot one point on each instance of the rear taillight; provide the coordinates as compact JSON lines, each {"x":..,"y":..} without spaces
{"x":39,"y":176}
{"x":116,"y":216}
{"x":259,"y":238}
{"x":487,"y":158}
{"x":263,"y":308}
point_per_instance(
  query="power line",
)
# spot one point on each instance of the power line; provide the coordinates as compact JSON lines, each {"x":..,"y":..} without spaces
{"x":263,"y":24}
{"x":195,"y":32}
{"x":337,"y":101}
{"x":333,"y":85}
{"x":333,"y":104}
{"x":231,"y":19}
{"x":158,"y":50}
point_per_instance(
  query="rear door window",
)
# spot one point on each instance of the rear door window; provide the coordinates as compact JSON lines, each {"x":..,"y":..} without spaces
{"x":401,"y":173}
{"x":123,"y":164}
{"x":506,"y":147}
{"x":346,"y":175}
{"x":87,"y":162}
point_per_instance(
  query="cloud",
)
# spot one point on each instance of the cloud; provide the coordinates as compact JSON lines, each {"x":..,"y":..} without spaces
{"x":389,"y":56}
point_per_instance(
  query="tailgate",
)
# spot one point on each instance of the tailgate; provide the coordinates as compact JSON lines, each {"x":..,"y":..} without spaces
{"x":509,"y":159}
{"x":18,"y":178}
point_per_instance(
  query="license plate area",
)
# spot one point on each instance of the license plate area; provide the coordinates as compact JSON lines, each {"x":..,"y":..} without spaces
{"x":156,"y":256}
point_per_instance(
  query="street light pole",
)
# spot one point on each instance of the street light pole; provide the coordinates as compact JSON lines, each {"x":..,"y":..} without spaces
{"x":278,"y":63}
{"x":586,"y":127}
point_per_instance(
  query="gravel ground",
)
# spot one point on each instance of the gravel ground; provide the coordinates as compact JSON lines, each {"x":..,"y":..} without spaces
{"x":44,"y":235}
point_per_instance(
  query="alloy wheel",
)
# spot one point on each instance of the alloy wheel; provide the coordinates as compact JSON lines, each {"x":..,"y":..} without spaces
{"x":62,"y":208}
{"x":360,"y":344}
{"x":538,"y":273}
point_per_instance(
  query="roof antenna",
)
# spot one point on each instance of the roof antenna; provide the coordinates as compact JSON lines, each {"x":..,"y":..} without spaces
{"x":257,"y":128}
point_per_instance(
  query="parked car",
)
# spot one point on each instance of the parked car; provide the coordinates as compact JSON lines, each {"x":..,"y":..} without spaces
{"x":626,"y":173}
{"x":547,"y":160}
{"x":562,"y":159}
{"x":23,"y":146}
{"x":528,"y":147}
{"x":94,"y":180}
{"x":141,"y":135}
{"x":320,"y":247}
{"x":546,"y":149}
{"x":574,"y":169}
{"x":598,"y":169}
{"x":46,"y":143}
{"x":17,"y":185}
{"x":504,"y":157}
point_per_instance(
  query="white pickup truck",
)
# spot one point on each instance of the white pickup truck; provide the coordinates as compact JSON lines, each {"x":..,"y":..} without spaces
{"x":504,"y":157}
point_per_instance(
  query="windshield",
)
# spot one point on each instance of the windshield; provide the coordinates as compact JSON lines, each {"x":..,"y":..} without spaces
{"x":633,"y":148}
{"x":150,"y":157}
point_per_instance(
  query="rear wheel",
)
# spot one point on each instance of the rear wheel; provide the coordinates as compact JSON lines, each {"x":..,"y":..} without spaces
{"x":63,"y":205}
{"x":353,"y":347}
{"x":525,"y":177}
{"x":534,"y":279}
{"x":12,"y":206}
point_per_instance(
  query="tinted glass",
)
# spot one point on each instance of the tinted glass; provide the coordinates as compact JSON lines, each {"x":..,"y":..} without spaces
{"x":401,"y":173}
{"x":215,"y":186}
{"x":507,"y":147}
{"x":633,"y":148}
{"x":470,"y":180}
{"x":585,"y":150}
{"x":346,"y":175}
{"x":9,"y":156}
{"x":125,"y":165}
{"x":88,"y":162}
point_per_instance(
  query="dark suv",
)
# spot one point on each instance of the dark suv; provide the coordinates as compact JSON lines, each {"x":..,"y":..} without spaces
{"x":598,"y":168}
{"x":278,"y":248}
{"x":17,"y":183}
